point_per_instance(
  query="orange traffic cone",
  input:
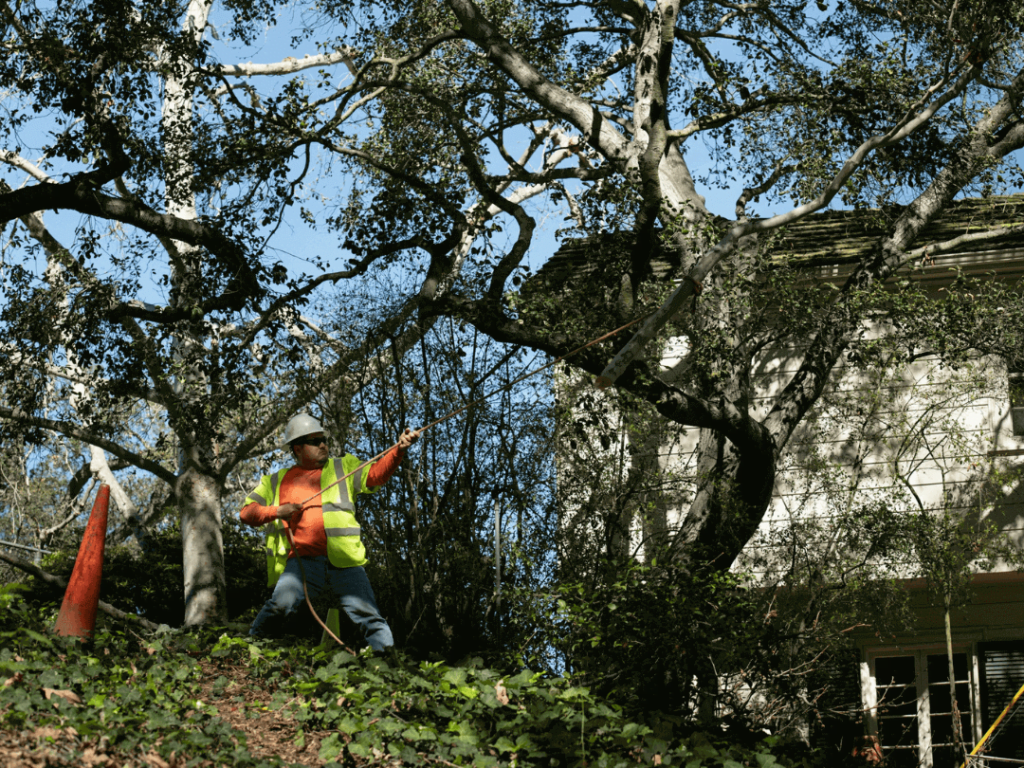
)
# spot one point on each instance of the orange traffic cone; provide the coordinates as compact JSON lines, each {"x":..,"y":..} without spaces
{"x":78,"y":611}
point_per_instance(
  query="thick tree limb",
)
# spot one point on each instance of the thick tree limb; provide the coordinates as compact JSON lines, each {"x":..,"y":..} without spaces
{"x":100,"y":469}
{"x":673,"y":402}
{"x":908,"y":124}
{"x":566,"y":105}
{"x":74,"y":431}
{"x":651,"y":117}
{"x":59,"y":583}
{"x":286,"y":66}
{"x":19,"y":162}
{"x":83,"y":194}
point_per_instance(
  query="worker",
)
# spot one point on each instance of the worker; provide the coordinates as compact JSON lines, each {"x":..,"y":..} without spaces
{"x":325,"y":530}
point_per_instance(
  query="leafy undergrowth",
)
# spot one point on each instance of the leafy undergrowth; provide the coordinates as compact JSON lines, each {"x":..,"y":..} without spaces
{"x":202,"y":699}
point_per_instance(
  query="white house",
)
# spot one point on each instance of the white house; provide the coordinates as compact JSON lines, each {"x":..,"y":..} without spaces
{"x":913,"y":437}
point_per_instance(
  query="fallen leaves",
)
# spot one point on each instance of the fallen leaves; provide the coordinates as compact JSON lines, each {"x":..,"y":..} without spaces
{"x":91,"y":758}
{"x":69,"y":696}
{"x":51,"y":694}
{"x":502,"y":693}
{"x":18,"y":677}
{"x":155,"y":761}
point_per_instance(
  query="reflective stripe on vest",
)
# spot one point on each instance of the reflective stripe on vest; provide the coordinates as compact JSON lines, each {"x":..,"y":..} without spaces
{"x":277,"y":539}
{"x":344,"y":547}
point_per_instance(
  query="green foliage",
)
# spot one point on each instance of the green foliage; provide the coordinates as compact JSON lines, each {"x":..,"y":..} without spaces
{"x":126,"y":695}
{"x":656,"y":636}
{"x":122,"y":695}
{"x":471,"y":715}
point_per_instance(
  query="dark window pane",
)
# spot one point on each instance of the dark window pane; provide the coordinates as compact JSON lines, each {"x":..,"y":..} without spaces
{"x":946,"y":757}
{"x":895,"y":670}
{"x":894,"y":733}
{"x":897,"y":695}
{"x":942,"y":729}
{"x":938,"y":667}
{"x":900,"y":758}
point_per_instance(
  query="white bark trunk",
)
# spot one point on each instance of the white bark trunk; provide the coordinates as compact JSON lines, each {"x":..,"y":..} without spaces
{"x":101,"y":471}
{"x":198,"y":493}
{"x":202,"y":549}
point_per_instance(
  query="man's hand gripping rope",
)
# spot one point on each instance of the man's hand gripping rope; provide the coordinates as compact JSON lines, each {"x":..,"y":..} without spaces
{"x":286,"y":511}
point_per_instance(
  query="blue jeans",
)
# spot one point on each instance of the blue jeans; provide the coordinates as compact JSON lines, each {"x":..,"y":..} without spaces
{"x":349,"y":586}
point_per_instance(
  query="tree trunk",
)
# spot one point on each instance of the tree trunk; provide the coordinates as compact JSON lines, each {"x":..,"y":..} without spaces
{"x":958,"y":737}
{"x":202,"y":548}
{"x":734,"y":490}
{"x":198,"y":492}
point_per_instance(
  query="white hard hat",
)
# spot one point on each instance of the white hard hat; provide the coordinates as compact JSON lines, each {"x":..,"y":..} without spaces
{"x":301,"y":425}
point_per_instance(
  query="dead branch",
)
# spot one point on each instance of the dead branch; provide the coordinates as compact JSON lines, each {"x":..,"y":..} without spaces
{"x":56,"y":581}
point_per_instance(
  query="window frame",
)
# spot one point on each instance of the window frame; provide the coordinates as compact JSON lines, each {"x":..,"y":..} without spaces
{"x":920,"y":654}
{"x":1015,"y":400}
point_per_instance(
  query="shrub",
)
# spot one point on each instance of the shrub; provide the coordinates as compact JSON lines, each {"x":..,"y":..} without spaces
{"x":148,"y":580}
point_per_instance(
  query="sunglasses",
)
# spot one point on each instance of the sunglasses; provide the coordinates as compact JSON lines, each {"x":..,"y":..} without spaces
{"x":309,"y":441}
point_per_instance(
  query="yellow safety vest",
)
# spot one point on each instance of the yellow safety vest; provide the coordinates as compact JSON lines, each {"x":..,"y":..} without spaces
{"x":344,"y":546}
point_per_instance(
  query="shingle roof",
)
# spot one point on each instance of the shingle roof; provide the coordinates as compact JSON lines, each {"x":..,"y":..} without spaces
{"x":833,"y":238}
{"x":836,"y":237}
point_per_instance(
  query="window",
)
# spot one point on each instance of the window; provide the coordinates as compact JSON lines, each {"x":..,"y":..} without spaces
{"x":908,"y":696}
{"x":1015,"y":382}
{"x":1002,"y":675}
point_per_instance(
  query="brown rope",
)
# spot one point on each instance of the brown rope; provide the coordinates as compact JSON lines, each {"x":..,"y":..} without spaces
{"x":305,"y":591}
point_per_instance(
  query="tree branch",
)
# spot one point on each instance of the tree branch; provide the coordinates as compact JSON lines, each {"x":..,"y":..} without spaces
{"x":566,"y":105}
{"x":71,"y":430}
{"x":58,"y":583}
{"x":83,"y":194}
{"x":689,"y":286}
{"x":288,"y":65}
{"x":21,"y":163}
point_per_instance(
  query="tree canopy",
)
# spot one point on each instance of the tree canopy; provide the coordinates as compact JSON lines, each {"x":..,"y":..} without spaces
{"x":625,"y":117}
{"x":436,"y":141}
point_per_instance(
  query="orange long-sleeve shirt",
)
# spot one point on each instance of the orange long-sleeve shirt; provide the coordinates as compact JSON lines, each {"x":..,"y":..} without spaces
{"x":307,"y":525}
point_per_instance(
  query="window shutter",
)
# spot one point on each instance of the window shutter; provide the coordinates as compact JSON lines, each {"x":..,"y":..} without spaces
{"x":838,"y":717}
{"x":1002,"y":675}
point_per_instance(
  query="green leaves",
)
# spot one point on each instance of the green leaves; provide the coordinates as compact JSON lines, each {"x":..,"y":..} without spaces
{"x":468,"y":715}
{"x":331,"y":747}
{"x":147,"y":697}
{"x":650,"y":636}
{"x":454,"y":680}
{"x":139,"y":696}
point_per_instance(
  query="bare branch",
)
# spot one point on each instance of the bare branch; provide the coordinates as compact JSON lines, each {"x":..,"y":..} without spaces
{"x":78,"y":433}
{"x":289,"y":65}
{"x":58,"y":583}
{"x":949,"y":246}
{"x":21,"y":163}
